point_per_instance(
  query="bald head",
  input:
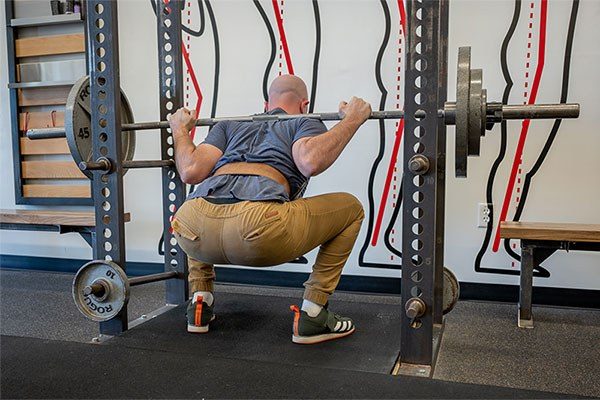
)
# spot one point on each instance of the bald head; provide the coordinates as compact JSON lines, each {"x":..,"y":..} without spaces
{"x":289,"y":93}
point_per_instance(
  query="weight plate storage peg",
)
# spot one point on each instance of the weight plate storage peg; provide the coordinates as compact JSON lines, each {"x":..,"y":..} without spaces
{"x":78,"y":124}
{"x":451,"y":291}
{"x":100,"y":290}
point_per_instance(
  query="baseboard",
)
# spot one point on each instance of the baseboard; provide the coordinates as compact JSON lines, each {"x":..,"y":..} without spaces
{"x":354,"y":283}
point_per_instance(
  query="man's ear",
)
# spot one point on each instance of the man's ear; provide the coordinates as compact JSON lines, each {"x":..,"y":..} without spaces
{"x":304,"y":108}
{"x":266,"y":106}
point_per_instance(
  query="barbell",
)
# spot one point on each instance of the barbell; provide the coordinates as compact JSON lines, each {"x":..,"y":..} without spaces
{"x":471,"y":113}
{"x":101,"y":289}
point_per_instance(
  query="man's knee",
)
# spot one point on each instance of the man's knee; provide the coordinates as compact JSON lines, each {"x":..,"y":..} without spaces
{"x":355,"y":204}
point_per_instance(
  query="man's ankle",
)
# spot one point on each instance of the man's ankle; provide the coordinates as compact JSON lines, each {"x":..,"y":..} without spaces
{"x":207,"y":297}
{"x":310,"y":308}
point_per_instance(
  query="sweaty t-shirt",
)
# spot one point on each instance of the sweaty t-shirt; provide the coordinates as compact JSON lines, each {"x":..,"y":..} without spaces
{"x":267,"y":142}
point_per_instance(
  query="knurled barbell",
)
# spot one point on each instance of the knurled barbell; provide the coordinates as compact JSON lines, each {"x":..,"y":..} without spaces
{"x":471,"y":113}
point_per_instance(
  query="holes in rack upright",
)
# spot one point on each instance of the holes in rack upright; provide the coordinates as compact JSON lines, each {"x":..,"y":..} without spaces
{"x":174,"y":264}
{"x":418,"y":197}
{"x":415,"y":291}
{"x":104,"y":178}
{"x":108,"y":258}
{"x":172,"y":185}
{"x":107,"y":233}
{"x":167,"y":22}
{"x":169,"y":105}
{"x":106,"y":219}
{"x":104,"y":150}
{"x":103,"y":137}
{"x":417,"y":229}
{"x":170,"y":152}
{"x":107,"y":246}
{"x":167,"y":36}
{"x":99,"y":8}
{"x":421,"y":64}
{"x":173,"y":251}
{"x":419,"y":131}
{"x":106,"y":205}
{"x":100,"y":52}
{"x":168,"y":58}
{"x":420,"y":82}
{"x":99,"y":23}
{"x":418,"y":180}
{"x":105,"y":191}
{"x":102,"y":123}
{"x":102,"y":109}
{"x":173,"y":241}
{"x":417,"y":244}
{"x":420,"y":99}
{"x":419,"y":14}
{"x":416,"y":276}
{"x":101,"y":93}
{"x":172,"y":197}
{"x":168,"y":46}
{"x":101,"y":81}
{"x":168,"y":71}
{"x":170,"y":139}
{"x":419,"y":31}
{"x":100,"y":37}
{"x":172,"y":207}
{"x":419,"y":148}
{"x":420,"y":115}
{"x":417,"y":213}
{"x":417,"y":260}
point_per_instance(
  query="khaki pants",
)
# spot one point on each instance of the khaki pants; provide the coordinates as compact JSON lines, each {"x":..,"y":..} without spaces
{"x":262,"y":234}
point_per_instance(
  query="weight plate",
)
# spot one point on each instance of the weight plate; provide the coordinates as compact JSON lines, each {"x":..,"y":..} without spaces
{"x":78,"y":124}
{"x":483,"y":111}
{"x":463,"y":89}
{"x":475,"y":98}
{"x":451,"y":291}
{"x":106,"y":306}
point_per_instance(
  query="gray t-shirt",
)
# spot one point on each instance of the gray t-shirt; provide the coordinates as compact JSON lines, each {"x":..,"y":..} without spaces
{"x":267,"y":142}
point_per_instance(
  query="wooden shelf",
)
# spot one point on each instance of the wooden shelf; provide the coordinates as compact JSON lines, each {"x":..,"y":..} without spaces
{"x":46,"y":20}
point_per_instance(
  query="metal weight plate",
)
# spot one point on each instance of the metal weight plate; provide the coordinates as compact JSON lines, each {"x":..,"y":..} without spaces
{"x":101,"y":307}
{"x":463,"y":94}
{"x":475,"y":124}
{"x":483,"y":111}
{"x":451,"y":291}
{"x":78,"y":124}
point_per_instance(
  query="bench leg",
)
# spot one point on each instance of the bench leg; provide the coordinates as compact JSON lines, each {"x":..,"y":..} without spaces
{"x":526,"y":287}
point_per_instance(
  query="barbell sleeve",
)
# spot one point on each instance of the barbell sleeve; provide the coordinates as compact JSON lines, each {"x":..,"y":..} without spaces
{"x":46,"y":133}
{"x":161,"y":276}
{"x":540,"y":111}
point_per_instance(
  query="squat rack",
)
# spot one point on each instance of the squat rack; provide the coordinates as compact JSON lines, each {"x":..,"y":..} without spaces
{"x":424,"y":193}
{"x":107,"y":189}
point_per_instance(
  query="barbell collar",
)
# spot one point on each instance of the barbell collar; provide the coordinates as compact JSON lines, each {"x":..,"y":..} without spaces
{"x":161,"y":276}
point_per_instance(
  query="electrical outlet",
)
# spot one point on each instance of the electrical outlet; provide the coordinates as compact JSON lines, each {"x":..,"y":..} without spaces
{"x":483,"y":214}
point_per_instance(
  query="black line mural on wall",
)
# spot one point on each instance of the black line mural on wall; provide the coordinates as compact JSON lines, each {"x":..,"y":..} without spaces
{"x":540,"y":271}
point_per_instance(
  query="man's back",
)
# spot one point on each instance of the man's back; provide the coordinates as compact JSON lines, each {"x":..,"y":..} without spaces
{"x":266,"y":142}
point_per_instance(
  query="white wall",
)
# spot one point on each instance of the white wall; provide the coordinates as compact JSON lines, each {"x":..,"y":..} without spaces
{"x":566,"y":188}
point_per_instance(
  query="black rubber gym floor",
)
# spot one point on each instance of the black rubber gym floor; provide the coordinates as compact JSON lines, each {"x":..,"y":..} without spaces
{"x":247,"y":354}
{"x":259,"y":328}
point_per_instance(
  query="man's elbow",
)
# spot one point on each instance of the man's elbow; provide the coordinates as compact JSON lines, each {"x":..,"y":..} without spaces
{"x":310,"y":167}
{"x":189,"y":176}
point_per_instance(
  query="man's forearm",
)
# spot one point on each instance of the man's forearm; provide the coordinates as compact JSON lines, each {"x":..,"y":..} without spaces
{"x":184,"y":149}
{"x":324,"y":149}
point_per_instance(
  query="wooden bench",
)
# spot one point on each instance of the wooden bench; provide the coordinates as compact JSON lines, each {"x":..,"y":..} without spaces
{"x":539,"y":240}
{"x":53,"y":221}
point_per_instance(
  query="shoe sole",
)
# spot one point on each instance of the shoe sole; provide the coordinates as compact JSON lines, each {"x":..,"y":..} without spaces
{"x":201,"y":328}
{"x":320,"y":338}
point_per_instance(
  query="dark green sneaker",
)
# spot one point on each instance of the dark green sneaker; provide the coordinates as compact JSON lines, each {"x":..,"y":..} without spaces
{"x":199,"y":315}
{"x":323,"y":327}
